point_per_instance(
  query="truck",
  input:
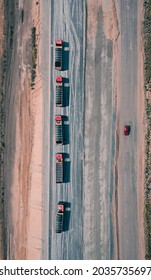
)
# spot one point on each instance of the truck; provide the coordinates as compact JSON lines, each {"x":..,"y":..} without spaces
{"x":59,"y":168}
{"x":59,"y":130}
{"x":58,"y":55}
{"x":59,"y":91}
{"x":60,"y":216}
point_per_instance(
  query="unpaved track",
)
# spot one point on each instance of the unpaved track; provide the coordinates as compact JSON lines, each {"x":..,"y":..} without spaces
{"x":46,"y":72}
{"x":98,"y":141}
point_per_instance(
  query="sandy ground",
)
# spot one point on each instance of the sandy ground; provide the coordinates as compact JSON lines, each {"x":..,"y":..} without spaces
{"x":25,"y":191}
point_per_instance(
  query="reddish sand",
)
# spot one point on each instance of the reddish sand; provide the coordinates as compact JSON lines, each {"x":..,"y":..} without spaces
{"x":26,"y":220}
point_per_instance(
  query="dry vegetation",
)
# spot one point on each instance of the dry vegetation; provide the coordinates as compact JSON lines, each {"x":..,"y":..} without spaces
{"x":34,"y":56}
{"x":147,"y":72}
{"x":2,"y":145}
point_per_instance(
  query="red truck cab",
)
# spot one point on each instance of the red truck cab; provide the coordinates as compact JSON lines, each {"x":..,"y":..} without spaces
{"x":60,"y":207}
{"x":59,"y":79}
{"x":58,"y":42}
{"x":59,"y":158}
{"x":58,"y":118}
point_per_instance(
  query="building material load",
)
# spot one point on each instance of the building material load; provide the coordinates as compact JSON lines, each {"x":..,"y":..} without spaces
{"x":59,"y":168}
{"x":59,"y":91}
{"x":59,"y":217}
{"x":59,"y":130}
{"x":58,"y":55}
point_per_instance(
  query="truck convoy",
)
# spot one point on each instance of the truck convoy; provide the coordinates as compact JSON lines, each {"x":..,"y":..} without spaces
{"x":59,"y":168}
{"x":58,"y":55}
{"x":60,"y":216}
{"x":59,"y":130}
{"x":59,"y":91}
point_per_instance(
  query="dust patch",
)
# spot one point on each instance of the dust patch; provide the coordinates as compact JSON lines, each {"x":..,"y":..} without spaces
{"x":110,"y":19}
{"x":92,"y":14}
{"x":21,"y":183}
{"x":24,"y":235}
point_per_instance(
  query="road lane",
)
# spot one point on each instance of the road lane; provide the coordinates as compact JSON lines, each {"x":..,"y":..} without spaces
{"x":89,"y":232}
{"x":68,"y":23}
{"x":127,"y":114}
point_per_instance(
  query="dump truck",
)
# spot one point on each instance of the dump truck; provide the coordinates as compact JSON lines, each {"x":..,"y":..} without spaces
{"x":60,"y":216}
{"x":59,"y":130}
{"x":59,"y":168}
{"x":58,"y":55}
{"x":59,"y":91}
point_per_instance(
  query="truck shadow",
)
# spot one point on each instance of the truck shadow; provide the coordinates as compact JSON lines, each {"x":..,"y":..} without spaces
{"x":66,"y":223}
{"x":65,"y":56}
{"x":66,"y":90}
{"x":66,"y":168}
{"x":66,"y":137}
{"x":67,"y":215}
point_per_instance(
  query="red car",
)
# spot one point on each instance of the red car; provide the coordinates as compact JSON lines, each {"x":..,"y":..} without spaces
{"x":126,"y":130}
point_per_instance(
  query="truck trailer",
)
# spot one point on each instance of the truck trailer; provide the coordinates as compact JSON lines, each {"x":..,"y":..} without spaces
{"x":59,"y":130}
{"x":58,"y":55}
{"x":59,"y":91}
{"x":59,"y":168}
{"x":60,"y":216}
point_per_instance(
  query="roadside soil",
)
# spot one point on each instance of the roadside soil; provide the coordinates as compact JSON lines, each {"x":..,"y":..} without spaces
{"x":23,"y":141}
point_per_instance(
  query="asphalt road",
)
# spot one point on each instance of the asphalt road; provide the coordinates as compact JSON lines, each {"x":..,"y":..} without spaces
{"x":88,"y":230}
{"x":68,"y":24}
{"x":128,"y":149}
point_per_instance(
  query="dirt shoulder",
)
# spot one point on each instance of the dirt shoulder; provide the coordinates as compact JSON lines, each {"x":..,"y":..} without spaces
{"x":23,"y":139}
